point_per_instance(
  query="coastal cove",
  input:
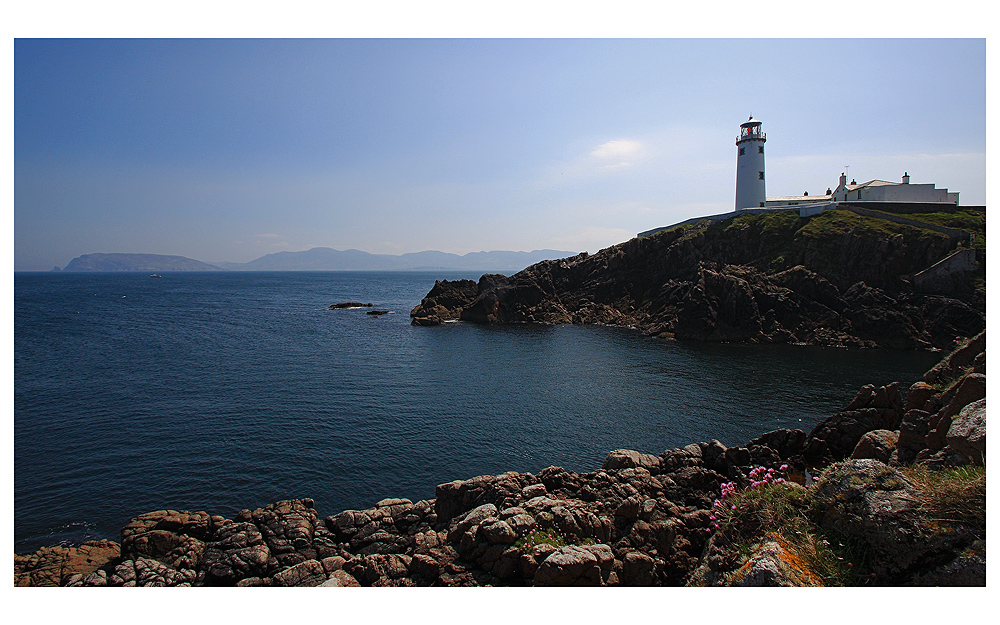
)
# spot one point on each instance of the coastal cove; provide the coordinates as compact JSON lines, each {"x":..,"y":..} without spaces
{"x":222,"y":391}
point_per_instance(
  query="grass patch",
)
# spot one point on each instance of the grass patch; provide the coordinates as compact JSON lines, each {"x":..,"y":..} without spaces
{"x":762,"y":240}
{"x":955,"y":494}
{"x":840,"y":222}
{"x":784,"y":222}
{"x":946,"y":384}
{"x":537,"y":537}
{"x":969,"y":220}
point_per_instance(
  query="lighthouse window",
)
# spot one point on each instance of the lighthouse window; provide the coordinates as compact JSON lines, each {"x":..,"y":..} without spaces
{"x":760,"y":149}
{"x":742,"y":151}
{"x":761,"y":175}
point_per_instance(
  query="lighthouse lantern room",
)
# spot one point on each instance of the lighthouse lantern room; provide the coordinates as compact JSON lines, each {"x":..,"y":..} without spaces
{"x":750,"y":166}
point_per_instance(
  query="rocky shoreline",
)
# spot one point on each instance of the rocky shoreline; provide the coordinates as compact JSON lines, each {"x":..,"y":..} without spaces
{"x":640,"y":520}
{"x":836,"y":279}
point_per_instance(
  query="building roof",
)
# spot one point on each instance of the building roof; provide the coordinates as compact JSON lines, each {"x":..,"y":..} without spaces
{"x":878,"y":183}
{"x":799,"y":198}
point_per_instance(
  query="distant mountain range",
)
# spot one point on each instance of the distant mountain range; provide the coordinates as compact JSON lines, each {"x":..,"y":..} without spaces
{"x":324,"y":259}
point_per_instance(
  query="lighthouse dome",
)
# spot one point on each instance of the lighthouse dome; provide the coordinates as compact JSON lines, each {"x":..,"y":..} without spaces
{"x":751,"y":122}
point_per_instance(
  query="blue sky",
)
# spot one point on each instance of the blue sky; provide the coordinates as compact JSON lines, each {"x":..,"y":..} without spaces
{"x":229,"y":149}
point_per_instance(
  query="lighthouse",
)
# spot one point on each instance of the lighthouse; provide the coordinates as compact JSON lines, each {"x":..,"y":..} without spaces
{"x":750,"y":166}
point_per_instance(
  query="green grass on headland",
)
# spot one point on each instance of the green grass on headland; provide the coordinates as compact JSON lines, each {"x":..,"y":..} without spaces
{"x":968,"y":220}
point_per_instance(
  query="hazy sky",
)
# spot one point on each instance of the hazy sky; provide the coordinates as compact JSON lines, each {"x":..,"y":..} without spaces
{"x":229,"y":149}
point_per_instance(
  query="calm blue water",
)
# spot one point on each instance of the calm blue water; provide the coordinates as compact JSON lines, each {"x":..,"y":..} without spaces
{"x":222,"y":391}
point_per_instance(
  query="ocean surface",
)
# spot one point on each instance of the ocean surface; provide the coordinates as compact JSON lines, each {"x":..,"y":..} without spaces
{"x":230,"y":390}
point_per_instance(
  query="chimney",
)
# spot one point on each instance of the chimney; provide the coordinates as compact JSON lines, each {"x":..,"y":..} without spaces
{"x":906,"y":178}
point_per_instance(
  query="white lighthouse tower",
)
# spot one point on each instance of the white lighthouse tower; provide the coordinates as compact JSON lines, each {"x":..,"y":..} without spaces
{"x":750,"y":166}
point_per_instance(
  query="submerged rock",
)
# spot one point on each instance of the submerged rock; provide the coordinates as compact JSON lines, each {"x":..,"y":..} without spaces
{"x":343,"y":305}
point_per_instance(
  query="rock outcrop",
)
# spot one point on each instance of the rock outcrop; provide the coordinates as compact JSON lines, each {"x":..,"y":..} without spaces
{"x":871,"y":503}
{"x":769,"y":278}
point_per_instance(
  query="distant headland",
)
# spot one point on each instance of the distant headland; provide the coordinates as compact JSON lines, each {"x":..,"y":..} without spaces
{"x":136,"y":262}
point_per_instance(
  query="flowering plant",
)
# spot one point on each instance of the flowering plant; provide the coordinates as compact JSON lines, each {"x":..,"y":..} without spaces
{"x":761,"y":477}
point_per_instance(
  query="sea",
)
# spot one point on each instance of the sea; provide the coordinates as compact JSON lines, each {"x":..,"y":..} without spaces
{"x":220,"y":391}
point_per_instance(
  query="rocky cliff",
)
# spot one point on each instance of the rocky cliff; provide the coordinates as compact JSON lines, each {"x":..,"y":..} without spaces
{"x":837,"y":279}
{"x":761,"y":514}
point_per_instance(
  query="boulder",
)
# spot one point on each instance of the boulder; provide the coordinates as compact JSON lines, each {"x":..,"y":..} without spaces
{"x":877,"y":445}
{"x":498,"y":532}
{"x":286,"y":526}
{"x":368,"y":570}
{"x":713,"y":454}
{"x":533,"y":490}
{"x":308,"y":573}
{"x":836,"y":437}
{"x":569,"y":566}
{"x":912,"y":435}
{"x":425,"y":565}
{"x":342,"y":579}
{"x":968,"y":568}
{"x":476,"y":516}
{"x":786,"y":442}
{"x":917,"y":396}
{"x":155,"y":534}
{"x":637,"y":569}
{"x":629,"y":459}
{"x":869,"y":502}
{"x":971,"y":388}
{"x":54,"y":566}
{"x":967,"y":434}
{"x":238,"y":553}
{"x":774,"y":563}
{"x":148,"y":572}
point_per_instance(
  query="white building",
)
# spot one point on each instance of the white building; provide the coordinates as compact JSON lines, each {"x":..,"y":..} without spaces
{"x":872,"y":191}
{"x":884,"y":191}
